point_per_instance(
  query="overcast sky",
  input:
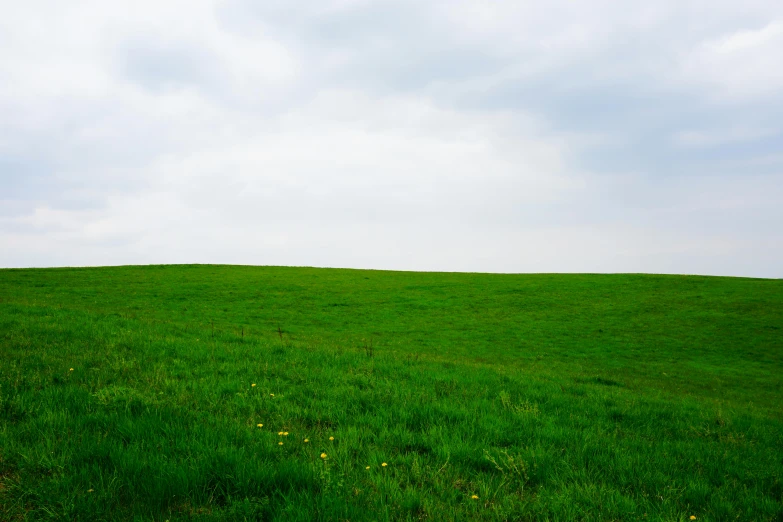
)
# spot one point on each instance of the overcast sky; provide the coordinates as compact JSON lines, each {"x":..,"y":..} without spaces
{"x":493,"y":136}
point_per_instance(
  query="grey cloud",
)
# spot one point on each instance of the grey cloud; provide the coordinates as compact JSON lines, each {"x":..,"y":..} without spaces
{"x":612,"y":91}
{"x":161,"y":66}
{"x":508,"y":136}
{"x":22,"y":178}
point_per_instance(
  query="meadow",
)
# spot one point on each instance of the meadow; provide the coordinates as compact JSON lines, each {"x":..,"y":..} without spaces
{"x":231,"y":393}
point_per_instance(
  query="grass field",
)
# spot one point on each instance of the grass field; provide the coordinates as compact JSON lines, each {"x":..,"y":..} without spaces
{"x":264,"y":393}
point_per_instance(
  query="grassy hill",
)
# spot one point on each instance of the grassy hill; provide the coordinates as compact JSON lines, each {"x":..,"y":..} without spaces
{"x":138,"y":393}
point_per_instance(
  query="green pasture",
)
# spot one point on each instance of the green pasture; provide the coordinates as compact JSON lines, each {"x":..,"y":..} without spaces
{"x":136,"y":393}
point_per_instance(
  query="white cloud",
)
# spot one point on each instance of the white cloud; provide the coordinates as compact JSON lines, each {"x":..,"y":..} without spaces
{"x":739,"y":65}
{"x":365,"y":133}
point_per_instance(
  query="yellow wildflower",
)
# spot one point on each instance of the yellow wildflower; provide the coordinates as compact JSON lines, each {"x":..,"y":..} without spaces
{"x":307,"y":440}
{"x":90,"y":490}
{"x":285,"y":434}
{"x":253,"y":385}
{"x":260,"y":425}
{"x":384,"y":464}
{"x":331,"y":438}
{"x":280,"y":443}
{"x":474,"y":497}
{"x":271,"y":394}
{"x":368,"y":467}
{"x":693,"y":517}
{"x":323,"y":455}
{"x":70,"y":370}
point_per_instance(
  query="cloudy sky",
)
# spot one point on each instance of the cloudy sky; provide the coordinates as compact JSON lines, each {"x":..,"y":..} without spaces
{"x":454,"y":135}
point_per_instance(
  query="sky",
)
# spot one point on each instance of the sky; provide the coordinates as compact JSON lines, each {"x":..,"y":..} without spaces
{"x":453,"y":135}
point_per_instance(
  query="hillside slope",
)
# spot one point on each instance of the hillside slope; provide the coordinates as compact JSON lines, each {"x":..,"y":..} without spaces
{"x":560,"y":397}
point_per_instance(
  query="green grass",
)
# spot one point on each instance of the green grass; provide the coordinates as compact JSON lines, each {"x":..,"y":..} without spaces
{"x":549,"y":397}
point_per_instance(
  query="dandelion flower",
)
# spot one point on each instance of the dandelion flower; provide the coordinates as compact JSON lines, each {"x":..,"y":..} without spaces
{"x":331,"y":438}
{"x":280,"y":443}
{"x":368,"y":467}
{"x":285,"y":434}
{"x":307,"y":440}
{"x":384,"y":464}
{"x":260,"y":425}
{"x":90,"y":490}
{"x":279,"y":432}
{"x":271,"y":394}
{"x":323,"y":455}
{"x":253,"y":385}
{"x":70,"y":370}
{"x":474,"y":497}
